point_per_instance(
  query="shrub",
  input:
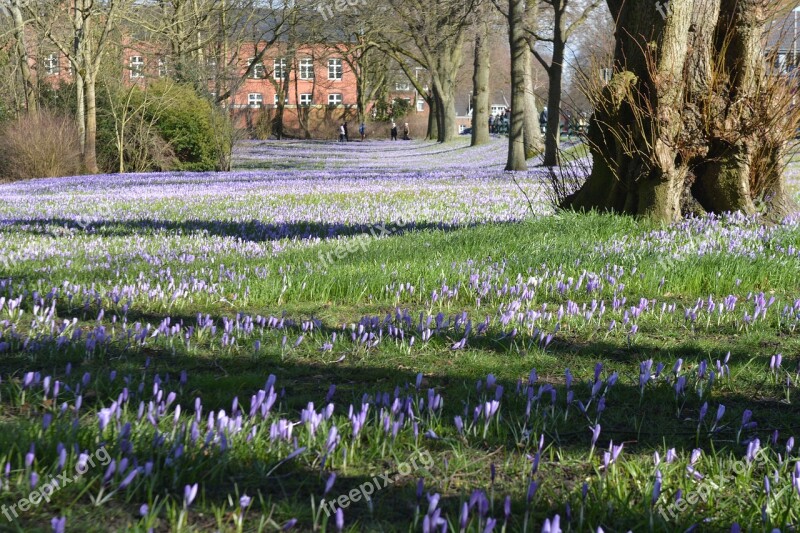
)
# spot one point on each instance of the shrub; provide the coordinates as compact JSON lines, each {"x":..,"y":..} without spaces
{"x":190,"y":125}
{"x":41,"y":145}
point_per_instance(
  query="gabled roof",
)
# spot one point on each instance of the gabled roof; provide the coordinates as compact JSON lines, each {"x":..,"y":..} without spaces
{"x":783,"y":32}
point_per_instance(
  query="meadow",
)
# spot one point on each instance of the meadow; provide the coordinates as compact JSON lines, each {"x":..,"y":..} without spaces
{"x":388,"y":337}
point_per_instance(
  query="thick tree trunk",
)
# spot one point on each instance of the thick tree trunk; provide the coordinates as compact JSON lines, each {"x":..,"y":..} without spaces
{"x":689,"y":112}
{"x":516,"y":39}
{"x":433,"y":120}
{"x":480,"y":88}
{"x":531,"y":132}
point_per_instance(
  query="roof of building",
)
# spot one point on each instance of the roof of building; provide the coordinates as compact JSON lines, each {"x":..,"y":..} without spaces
{"x":784,"y":31}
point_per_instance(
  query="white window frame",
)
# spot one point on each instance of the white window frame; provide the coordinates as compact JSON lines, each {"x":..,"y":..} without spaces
{"x":162,"y":68}
{"x":259,"y":71}
{"x":335,"y":68}
{"x":280,"y":68}
{"x":402,"y":86}
{"x":136,"y":67}
{"x":783,"y":63}
{"x":306,"y":99}
{"x":255,"y":100}
{"x":285,"y":99}
{"x":306,"y":68}
{"x":335,"y":99}
{"x":420,"y":105}
{"x":52,"y":65}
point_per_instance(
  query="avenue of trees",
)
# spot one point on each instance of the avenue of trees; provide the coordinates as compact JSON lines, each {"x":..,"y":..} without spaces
{"x":692,"y":117}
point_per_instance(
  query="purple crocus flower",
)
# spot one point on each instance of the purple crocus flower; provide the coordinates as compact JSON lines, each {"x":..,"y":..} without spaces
{"x":329,"y":483}
{"x":595,"y":434}
{"x":656,"y":490}
{"x":59,"y":524}
{"x":339,"y":519}
{"x":189,"y":494}
{"x":552,"y":525}
{"x":289,"y":524}
{"x":532,"y":488}
{"x":752,"y":450}
{"x":463,"y":519}
{"x":127,"y":481}
{"x":30,"y":456}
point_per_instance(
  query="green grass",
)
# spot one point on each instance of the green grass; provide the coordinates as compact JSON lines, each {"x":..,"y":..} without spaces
{"x":366,"y":282}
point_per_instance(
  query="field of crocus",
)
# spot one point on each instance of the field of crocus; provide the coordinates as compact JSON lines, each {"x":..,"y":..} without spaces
{"x":388,"y":337}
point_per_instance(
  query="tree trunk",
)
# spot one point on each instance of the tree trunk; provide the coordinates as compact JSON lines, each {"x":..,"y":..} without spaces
{"x":531,"y":132}
{"x":433,"y":120}
{"x":21,"y":52}
{"x":90,"y":151}
{"x":516,"y":39}
{"x":80,"y":112}
{"x":691,"y":111}
{"x":480,"y":88}
{"x":553,"y":130}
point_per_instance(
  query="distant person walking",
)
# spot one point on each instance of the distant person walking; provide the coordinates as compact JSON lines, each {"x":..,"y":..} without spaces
{"x":543,"y":119}
{"x":342,"y":133}
{"x":346,"y":134}
{"x":405,"y":132}
{"x":394,"y":131}
{"x":362,"y":129}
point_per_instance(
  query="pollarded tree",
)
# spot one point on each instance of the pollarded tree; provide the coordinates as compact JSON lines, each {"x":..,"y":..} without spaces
{"x":432,"y":35}
{"x":694,"y":117}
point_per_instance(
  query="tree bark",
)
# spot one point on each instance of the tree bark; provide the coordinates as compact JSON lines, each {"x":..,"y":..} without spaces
{"x":21,"y":52}
{"x":531,"y":132}
{"x":90,"y":148}
{"x":480,"y":88}
{"x":555,"y":73}
{"x":433,"y":120}
{"x":516,"y":40}
{"x":690,"y":112}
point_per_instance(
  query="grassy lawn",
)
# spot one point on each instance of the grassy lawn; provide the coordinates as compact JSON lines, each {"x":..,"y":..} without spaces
{"x":411,"y":346}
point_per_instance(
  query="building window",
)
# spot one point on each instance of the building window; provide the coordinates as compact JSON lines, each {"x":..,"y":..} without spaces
{"x":334,"y":69}
{"x":285,"y":100}
{"x":136,"y":65}
{"x":51,"y":65}
{"x":306,"y":99}
{"x":255,"y":99}
{"x":306,"y":69}
{"x":257,"y":71}
{"x":162,"y":68}
{"x":211,"y":68}
{"x":420,"y":106}
{"x":402,"y":86}
{"x":782,"y":63}
{"x":280,"y":70}
{"x":334,"y":99}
